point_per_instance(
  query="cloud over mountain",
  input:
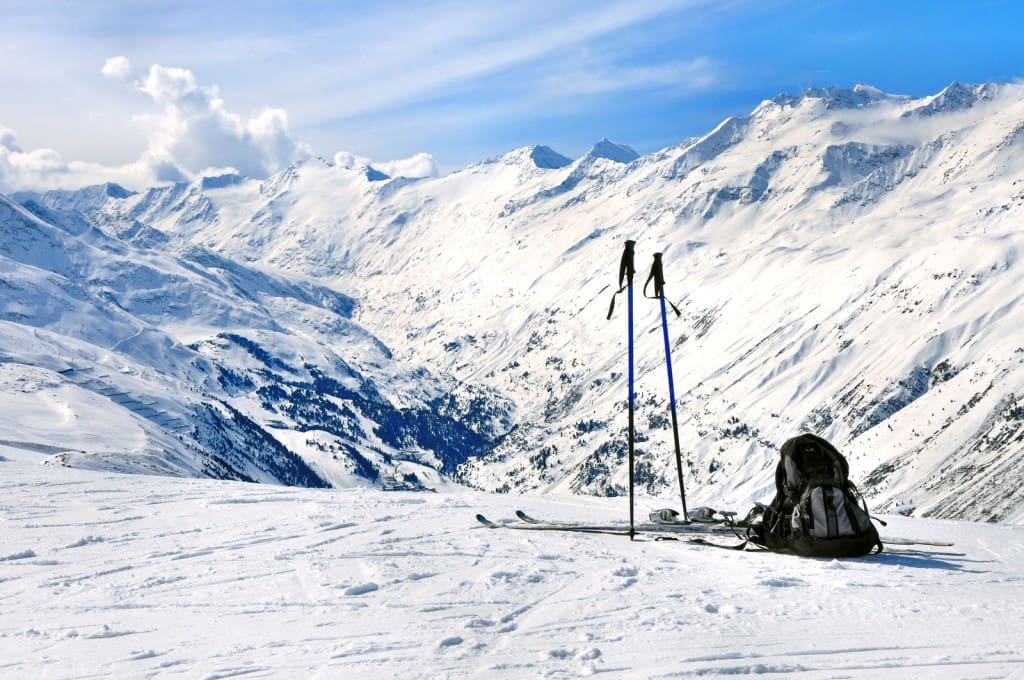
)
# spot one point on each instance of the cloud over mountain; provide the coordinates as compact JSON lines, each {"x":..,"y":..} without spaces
{"x":191,"y":133}
{"x":194,"y":131}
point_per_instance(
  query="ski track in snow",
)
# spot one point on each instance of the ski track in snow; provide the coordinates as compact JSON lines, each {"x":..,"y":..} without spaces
{"x":126,"y":576}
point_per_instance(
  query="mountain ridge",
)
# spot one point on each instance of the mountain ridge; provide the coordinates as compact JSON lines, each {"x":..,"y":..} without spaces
{"x":840,"y":267}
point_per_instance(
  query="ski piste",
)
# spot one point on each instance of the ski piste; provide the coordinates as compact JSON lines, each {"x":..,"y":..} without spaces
{"x":693,"y":528}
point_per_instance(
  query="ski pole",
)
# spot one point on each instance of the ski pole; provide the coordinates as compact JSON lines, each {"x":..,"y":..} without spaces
{"x":657,"y":275}
{"x":626,"y":271}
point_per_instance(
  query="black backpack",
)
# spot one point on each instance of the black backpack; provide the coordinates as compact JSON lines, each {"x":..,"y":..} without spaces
{"x":817,"y":510}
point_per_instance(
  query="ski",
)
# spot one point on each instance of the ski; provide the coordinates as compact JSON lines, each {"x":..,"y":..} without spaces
{"x":533,"y":520}
{"x":896,"y":540}
{"x":694,"y":525}
{"x":529,"y":522}
{"x":533,"y":524}
{"x":579,"y":528}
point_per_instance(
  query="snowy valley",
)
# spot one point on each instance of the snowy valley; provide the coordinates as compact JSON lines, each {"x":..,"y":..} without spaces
{"x":139,"y":356}
{"x":846,"y":262}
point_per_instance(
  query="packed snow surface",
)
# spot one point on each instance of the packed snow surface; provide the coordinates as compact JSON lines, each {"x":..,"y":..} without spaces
{"x":108,"y":575}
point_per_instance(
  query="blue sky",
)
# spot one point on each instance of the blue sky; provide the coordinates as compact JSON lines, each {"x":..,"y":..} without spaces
{"x":462,"y":81}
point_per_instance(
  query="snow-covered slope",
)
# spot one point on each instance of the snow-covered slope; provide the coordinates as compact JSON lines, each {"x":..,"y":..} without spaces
{"x":105,"y":575}
{"x":846,"y":262}
{"x":125,"y":356}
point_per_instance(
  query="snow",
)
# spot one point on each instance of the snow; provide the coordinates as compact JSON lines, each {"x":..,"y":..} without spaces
{"x":620,"y":153}
{"x":135,"y":576}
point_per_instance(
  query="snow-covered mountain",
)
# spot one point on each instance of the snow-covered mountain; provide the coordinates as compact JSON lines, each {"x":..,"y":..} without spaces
{"x":846,"y":262}
{"x":135,"y":354}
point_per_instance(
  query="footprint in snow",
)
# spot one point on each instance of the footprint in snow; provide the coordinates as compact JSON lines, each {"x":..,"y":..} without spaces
{"x":627,"y":573}
{"x":504,"y":576}
{"x":586,"y":654}
{"x":479,"y":623}
{"x":726,"y":610}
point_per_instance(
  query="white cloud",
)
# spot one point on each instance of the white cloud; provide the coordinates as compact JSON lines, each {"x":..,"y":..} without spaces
{"x":350,"y":161}
{"x":419,"y":165}
{"x":8,"y":141}
{"x":487,"y":51}
{"x":173,"y":86}
{"x":600,"y":78}
{"x":194,"y":130}
{"x":117,"y":68}
{"x":42,"y":169}
{"x":17,"y":167}
{"x":268,"y":131}
{"x":191,"y":134}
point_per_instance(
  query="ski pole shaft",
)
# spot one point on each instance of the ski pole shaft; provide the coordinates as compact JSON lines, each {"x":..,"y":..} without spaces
{"x":672,"y":401}
{"x":626,"y":272}
{"x":658,"y":277}
{"x":632,"y":408}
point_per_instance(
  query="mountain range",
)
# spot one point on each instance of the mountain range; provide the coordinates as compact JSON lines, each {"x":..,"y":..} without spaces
{"x":845,"y":262}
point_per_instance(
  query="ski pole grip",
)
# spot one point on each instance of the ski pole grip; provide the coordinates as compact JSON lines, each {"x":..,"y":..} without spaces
{"x":626,"y":267}
{"x":657,"y":275}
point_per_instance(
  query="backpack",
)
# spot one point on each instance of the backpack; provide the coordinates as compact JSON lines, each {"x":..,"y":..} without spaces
{"x":817,"y":511}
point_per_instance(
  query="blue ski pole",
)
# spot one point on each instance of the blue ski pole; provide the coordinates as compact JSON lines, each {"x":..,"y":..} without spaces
{"x":657,"y":275}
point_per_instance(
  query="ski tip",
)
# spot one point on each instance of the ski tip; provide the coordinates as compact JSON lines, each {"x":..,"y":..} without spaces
{"x":486,"y":522}
{"x":526,"y":518}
